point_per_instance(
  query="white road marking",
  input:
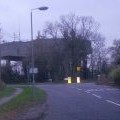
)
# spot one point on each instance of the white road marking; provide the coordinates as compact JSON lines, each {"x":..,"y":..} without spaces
{"x":87,"y":91}
{"x":105,"y":89}
{"x":97,"y":96}
{"x":91,"y":90}
{"x":78,"y":89}
{"x":99,"y":89}
{"x":96,"y":90}
{"x":113,"y":102}
{"x":112,"y":89}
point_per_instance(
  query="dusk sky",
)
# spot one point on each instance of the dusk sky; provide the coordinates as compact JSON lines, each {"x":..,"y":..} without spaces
{"x":15,"y":14}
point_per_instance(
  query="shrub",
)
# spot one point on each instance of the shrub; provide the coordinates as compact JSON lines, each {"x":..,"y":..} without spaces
{"x":115,"y":75}
{"x":2,"y":85}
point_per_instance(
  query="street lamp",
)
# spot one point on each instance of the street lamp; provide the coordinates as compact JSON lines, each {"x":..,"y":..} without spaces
{"x":32,"y":59}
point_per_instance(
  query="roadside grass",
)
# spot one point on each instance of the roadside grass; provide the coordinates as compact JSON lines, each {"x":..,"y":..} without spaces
{"x":23,"y":101}
{"x":7,"y":91}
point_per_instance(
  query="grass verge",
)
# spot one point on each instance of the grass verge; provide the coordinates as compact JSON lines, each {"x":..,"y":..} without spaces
{"x":7,"y":91}
{"x":23,"y":101}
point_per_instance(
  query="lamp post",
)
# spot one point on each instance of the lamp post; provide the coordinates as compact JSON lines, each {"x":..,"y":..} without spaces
{"x":0,"y":62}
{"x":32,"y":41}
{"x":0,"y":54}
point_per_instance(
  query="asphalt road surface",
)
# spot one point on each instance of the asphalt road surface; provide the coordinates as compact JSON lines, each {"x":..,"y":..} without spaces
{"x":82,"y":102}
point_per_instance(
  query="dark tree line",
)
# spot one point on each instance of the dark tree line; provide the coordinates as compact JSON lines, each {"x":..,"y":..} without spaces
{"x":65,"y":45}
{"x":115,"y":52}
{"x":115,"y":61}
{"x":69,"y":43}
{"x":73,"y":41}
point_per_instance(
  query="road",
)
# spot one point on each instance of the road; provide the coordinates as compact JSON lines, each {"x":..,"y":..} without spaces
{"x":82,"y":102}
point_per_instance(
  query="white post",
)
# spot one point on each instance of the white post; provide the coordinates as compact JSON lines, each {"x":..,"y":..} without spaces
{"x":78,"y":79}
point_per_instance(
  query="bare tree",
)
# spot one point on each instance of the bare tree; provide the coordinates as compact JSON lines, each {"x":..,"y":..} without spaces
{"x":98,"y":56}
{"x":115,"y":52}
{"x":76,"y":33}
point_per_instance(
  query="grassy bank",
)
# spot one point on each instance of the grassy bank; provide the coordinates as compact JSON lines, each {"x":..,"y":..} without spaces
{"x":23,"y":101}
{"x":7,"y":91}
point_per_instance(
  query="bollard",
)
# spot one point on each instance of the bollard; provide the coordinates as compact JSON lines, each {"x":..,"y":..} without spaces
{"x":69,"y":80}
{"x":78,"y":79}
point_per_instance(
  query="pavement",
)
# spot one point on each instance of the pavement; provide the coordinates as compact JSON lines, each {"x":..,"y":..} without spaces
{"x":8,"y":98}
{"x":86,"y":101}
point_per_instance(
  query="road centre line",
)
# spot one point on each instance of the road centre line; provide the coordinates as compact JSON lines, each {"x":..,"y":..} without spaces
{"x":87,"y":91}
{"x":90,"y":90}
{"x":109,"y":101}
{"x":103,"y":89}
{"x":97,"y":96}
{"x":78,"y":89}
{"x":95,"y":90}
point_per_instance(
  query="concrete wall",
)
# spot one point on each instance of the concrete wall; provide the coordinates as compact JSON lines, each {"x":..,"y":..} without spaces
{"x":20,"y":49}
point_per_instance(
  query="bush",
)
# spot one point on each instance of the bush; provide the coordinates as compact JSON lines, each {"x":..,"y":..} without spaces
{"x":115,"y":75}
{"x":2,"y":85}
{"x":11,"y":77}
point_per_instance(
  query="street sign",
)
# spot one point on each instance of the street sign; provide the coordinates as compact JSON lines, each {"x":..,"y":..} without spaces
{"x":34,"y":70}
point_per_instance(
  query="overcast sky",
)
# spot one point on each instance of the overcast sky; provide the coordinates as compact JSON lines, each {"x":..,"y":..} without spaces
{"x":15,"y":14}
